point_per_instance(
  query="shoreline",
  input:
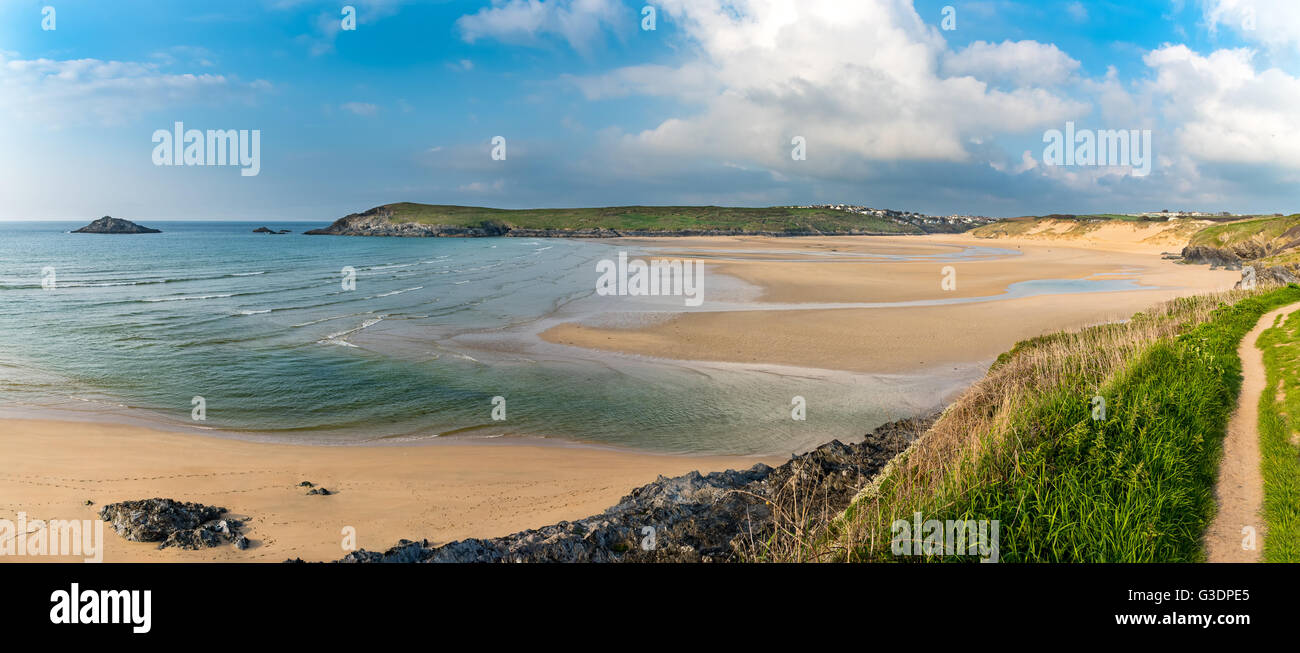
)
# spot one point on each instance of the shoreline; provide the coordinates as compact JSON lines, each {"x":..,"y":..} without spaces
{"x":489,"y":487}
{"x":901,"y":338}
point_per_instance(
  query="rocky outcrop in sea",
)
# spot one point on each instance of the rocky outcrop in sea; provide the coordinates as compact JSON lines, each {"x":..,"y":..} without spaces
{"x":718,"y":517}
{"x":111,"y":225}
{"x":184,"y":525}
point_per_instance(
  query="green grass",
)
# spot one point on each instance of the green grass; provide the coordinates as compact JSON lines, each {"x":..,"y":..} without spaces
{"x":653,"y":218}
{"x":1290,"y":259}
{"x":1279,"y":441}
{"x":1137,"y":486}
{"x":1260,"y":230}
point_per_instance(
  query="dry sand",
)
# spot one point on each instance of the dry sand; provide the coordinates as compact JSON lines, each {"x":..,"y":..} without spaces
{"x":442,"y":492}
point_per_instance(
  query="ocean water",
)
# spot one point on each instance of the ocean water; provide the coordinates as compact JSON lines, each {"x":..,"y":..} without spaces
{"x":262,"y":329}
{"x":260,"y":326}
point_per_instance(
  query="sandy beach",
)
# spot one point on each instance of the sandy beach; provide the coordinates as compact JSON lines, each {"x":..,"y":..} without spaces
{"x":444,"y":492}
{"x":889,"y":340}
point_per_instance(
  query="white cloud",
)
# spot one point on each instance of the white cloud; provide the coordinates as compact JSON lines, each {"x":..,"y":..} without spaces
{"x":1017,"y":63}
{"x":1077,"y":11}
{"x":1274,"y":24}
{"x":1223,"y":109}
{"x":78,"y":91}
{"x":578,"y":22}
{"x":861,"y":82}
{"x":691,"y":81}
{"x":360,"y":108}
{"x":328,"y":24}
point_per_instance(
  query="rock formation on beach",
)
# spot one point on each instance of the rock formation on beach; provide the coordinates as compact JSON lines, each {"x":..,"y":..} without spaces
{"x":719,"y":517}
{"x":111,"y":225}
{"x":173,"y":523}
{"x":1269,"y":246}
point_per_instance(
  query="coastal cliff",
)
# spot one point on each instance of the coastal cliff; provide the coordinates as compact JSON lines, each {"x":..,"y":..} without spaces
{"x":408,"y":219}
{"x":1270,"y":245}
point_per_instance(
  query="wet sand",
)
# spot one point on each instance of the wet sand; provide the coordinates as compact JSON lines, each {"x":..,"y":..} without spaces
{"x":896,"y":339}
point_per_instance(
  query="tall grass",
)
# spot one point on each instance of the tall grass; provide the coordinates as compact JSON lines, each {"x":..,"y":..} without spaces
{"x":1279,"y":446}
{"x":1021,"y":445}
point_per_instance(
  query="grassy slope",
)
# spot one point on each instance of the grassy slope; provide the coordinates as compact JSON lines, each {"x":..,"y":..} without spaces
{"x":1279,"y":452}
{"x":651,"y":218}
{"x":1022,"y":447}
{"x":1082,"y":225}
{"x":1260,"y":230}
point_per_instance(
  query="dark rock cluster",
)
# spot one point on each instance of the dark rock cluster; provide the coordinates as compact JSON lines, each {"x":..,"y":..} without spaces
{"x":718,"y":517}
{"x":110,"y":225}
{"x":184,"y":525}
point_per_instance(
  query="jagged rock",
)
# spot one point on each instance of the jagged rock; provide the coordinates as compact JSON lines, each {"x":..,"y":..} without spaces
{"x":110,"y":225}
{"x":152,"y":520}
{"x":321,"y":491}
{"x":1278,"y":274}
{"x":306,"y":484}
{"x":262,"y":230}
{"x":716,"y":517}
{"x":173,"y":523}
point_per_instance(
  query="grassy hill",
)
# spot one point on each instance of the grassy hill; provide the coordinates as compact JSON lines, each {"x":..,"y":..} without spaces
{"x":1260,"y":239}
{"x":667,"y":219}
{"x":1028,"y":446}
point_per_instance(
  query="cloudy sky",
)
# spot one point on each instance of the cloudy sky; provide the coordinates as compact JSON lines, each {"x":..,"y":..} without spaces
{"x":896,"y":111}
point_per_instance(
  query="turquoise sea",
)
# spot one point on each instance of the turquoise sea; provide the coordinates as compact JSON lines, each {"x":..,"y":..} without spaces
{"x":133,"y":327}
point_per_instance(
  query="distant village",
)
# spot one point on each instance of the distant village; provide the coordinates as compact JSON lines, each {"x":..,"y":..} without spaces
{"x":905,"y":216}
{"x":919,"y":219}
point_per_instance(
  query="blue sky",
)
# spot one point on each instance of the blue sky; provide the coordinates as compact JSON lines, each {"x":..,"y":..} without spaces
{"x":895,"y":110}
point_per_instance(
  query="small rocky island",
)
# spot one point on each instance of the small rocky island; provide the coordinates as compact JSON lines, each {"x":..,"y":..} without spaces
{"x":111,"y":225}
{"x":265,"y":230}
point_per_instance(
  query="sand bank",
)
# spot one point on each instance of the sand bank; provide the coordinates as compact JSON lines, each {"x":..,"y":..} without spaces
{"x":896,"y":339}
